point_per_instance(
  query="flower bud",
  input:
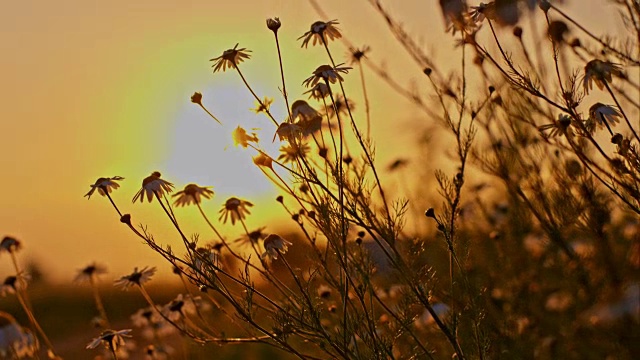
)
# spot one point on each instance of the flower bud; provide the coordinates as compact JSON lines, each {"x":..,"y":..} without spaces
{"x":274,"y":24}
{"x":126,"y":219}
{"x":196,"y":98}
{"x":430,"y":213}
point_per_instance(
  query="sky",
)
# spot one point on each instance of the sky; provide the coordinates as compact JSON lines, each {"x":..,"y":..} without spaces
{"x":101,"y":88}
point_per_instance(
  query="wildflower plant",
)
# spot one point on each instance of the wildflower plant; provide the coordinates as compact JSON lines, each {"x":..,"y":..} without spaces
{"x":523,"y":253}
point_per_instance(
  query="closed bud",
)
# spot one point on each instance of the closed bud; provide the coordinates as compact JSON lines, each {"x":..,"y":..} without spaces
{"x":126,"y":219}
{"x":196,"y":98}
{"x":431,"y":213}
{"x":517,"y":31}
{"x":274,"y":24}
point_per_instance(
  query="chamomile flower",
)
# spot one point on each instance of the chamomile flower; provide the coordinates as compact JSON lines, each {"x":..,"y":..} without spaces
{"x":263,"y":106}
{"x":230,"y":59}
{"x":310,"y":126}
{"x":179,"y":308}
{"x":242,"y":137}
{"x":16,"y":342}
{"x":274,"y":245}
{"x":482,"y":11}
{"x":13,"y":283}
{"x":104,"y":186}
{"x":206,"y":259}
{"x":10,"y":244}
{"x":145,"y":317}
{"x":324,"y":291}
{"x":192,"y":194}
{"x":153,"y":185}
{"x":252,"y":237}
{"x":326,"y":73}
{"x":136,"y":278}
{"x":342,"y":106}
{"x":9,"y":286}
{"x":292,"y":151}
{"x":111,"y":339}
{"x":263,"y":159}
{"x":288,"y":131}
{"x":599,"y":72}
{"x":90,"y":272}
{"x":318,"y":92}
{"x":320,"y":32}
{"x":604,"y":115}
{"x":452,"y":10}
{"x":562,"y":126}
{"x":357,"y":54}
{"x":301,"y":109}
{"x":235,"y":209}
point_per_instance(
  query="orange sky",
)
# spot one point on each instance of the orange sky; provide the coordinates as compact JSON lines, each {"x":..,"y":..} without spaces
{"x":102,"y":88}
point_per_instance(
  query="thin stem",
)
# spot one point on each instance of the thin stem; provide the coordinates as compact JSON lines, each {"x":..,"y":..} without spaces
{"x":367,"y":108}
{"x":284,"y":86}
{"x":210,"y":114}
{"x":113,"y":203}
{"x":626,"y":119}
{"x":98,"y":300}
{"x":174,"y":222}
{"x":34,"y":322}
{"x":266,"y":110}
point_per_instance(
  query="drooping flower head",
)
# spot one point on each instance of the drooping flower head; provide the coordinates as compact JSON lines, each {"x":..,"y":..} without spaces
{"x":482,"y":11}
{"x":604,"y":115}
{"x":327,"y":74}
{"x":192,"y":194}
{"x":456,"y":17}
{"x":253,"y":237}
{"x":136,"y":278}
{"x":599,"y":72}
{"x":318,"y":92}
{"x":301,"y":109}
{"x":274,"y":245}
{"x":104,"y":186}
{"x":242,"y":138}
{"x":230,"y":59}
{"x":90,"y":272}
{"x":153,"y":185}
{"x":235,"y":209}
{"x":320,"y":32}
{"x":288,"y":131}
{"x":557,"y":31}
{"x":10,"y":244}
